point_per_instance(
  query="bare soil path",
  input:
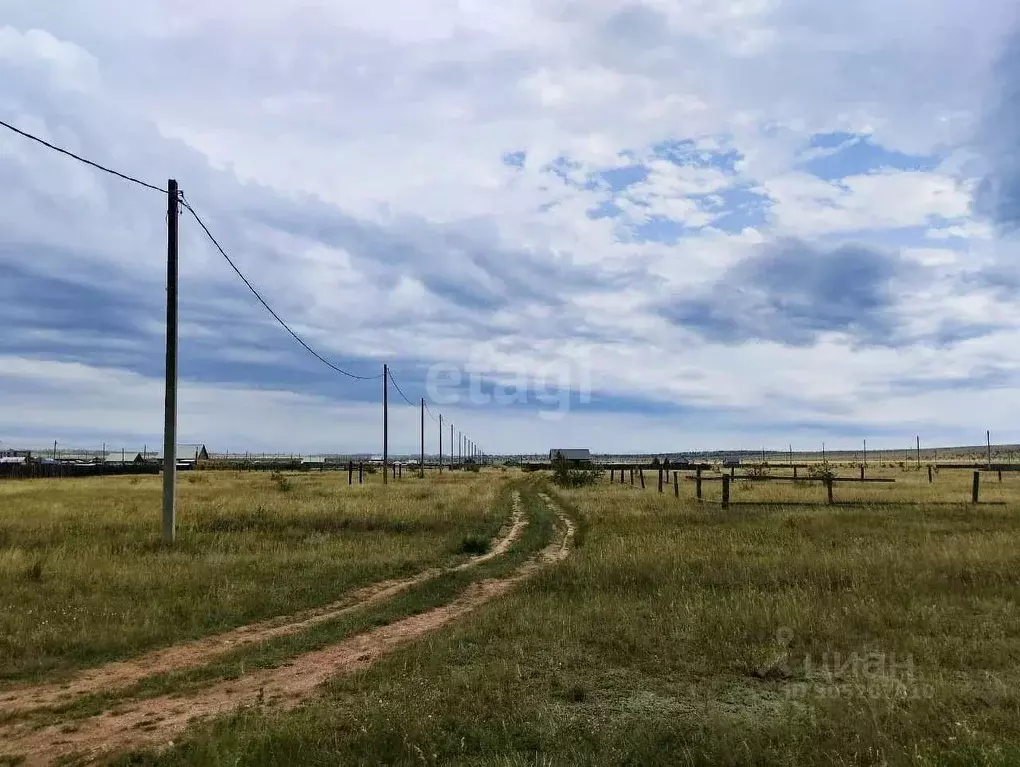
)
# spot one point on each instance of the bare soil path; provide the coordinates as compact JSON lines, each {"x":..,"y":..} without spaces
{"x":120,"y":674}
{"x":157,"y":721}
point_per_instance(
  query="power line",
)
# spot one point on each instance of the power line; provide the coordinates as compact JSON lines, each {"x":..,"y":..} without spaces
{"x":412,"y":404}
{"x":81,"y":159}
{"x":268,"y":308}
{"x":428,"y":412}
{"x":201,"y":223}
{"x":212,"y":239}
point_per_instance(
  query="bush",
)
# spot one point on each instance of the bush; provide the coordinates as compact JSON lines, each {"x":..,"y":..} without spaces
{"x":821,"y":472}
{"x":476,"y":545}
{"x":566,"y":474}
{"x":282,"y":483}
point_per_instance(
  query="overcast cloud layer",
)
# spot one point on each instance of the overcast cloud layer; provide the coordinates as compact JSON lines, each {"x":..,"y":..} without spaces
{"x":685,"y":224}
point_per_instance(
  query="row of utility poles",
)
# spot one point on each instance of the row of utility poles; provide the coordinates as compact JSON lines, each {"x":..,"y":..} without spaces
{"x":466,"y":447}
{"x":917,"y":439}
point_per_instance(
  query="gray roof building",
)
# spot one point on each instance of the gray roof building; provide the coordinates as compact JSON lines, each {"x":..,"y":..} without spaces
{"x":192,"y":452}
{"x":570,"y":454}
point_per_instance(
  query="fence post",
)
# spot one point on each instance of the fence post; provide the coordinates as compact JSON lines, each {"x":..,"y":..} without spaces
{"x":732,"y":470}
{"x":632,"y":476}
{"x":621,"y":475}
{"x":697,"y":484}
{"x":795,"y":472}
{"x":350,"y":472}
{"x":930,"y":480}
{"x":676,"y":485}
{"x":725,"y":492}
{"x":660,"y":480}
{"x":361,"y":473}
{"x":976,"y":487}
{"x":862,"y":472}
{"x":641,"y":476}
{"x":1000,"y":475}
{"x":828,"y":489}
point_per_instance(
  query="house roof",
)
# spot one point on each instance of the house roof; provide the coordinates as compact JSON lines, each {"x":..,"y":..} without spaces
{"x":188,"y":450}
{"x":128,"y":456}
{"x":572,"y":454}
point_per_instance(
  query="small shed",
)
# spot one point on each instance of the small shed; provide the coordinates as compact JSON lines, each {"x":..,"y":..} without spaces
{"x":571,"y":455}
{"x":731,"y":460}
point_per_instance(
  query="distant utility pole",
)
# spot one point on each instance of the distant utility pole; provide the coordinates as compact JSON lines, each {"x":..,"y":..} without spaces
{"x":988,"y":441}
{"x":55,"y":449}
{"x":452,"y":449}
{"x":423,"y":438}
{"x":918,"y":438}
{"x":440,"y":443}
{"x":385,"y":420}
{"x":865,"y":452}
{"x":170,"y":403}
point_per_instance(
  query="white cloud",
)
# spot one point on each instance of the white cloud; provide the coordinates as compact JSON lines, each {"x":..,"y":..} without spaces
{"x":804,"y":205}
{"x":420,"y":242}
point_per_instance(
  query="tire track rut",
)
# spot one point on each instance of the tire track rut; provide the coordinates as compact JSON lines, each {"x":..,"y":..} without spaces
{"x":121,"y":674}
{"x":156,"y":721}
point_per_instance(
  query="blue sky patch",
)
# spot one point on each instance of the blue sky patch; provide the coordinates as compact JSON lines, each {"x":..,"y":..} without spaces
{"x":515,"y":159}
{"x":854,"y":155}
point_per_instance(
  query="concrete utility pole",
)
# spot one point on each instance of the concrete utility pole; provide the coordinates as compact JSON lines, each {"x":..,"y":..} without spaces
{"x":423,"y":438}
{"x":170,"y":403}
{"x":385,"y":420}
{"x":440,"y":443}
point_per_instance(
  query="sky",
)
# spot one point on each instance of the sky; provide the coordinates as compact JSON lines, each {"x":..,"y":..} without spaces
{"x":645,"y":226}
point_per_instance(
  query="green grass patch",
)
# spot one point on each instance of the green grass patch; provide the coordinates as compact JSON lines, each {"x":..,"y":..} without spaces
{"x":684,"y":635}
{"x":85,"y":579}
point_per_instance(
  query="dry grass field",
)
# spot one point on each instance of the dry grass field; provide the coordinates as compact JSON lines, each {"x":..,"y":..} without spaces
{"x":635,"y":628}
{"x":85,"y":578}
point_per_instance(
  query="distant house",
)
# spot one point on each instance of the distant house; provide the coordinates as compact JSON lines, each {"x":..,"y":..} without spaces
{"x":123,"y":457}
{"x":192,"y":453}
{"x":572,"y":455}
{"x":314,"y":460}
{"x":731,"y":461}
{"x":18,"y":460}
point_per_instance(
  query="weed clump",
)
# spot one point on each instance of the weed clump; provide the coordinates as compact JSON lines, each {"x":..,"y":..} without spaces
{"x":474,"y":545}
